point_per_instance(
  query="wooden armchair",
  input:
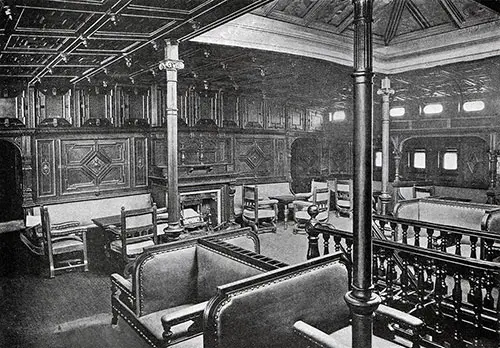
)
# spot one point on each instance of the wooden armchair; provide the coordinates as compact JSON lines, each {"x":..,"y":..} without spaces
{"x":320,"y":198}
{"x":137,"y":230}
{"x":262,"y":214}
{"x":64,"y":244}
{"x":343,"y":197}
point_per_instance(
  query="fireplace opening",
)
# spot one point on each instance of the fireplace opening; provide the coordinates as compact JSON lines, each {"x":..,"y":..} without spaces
{"x":11,"y":192}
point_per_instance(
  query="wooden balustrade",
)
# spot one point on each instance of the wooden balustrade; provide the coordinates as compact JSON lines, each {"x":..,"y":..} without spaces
{"x":454,"y":290}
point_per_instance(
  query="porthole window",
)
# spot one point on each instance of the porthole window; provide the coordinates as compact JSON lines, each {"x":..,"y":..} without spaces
{"x":336,"y":116}
{"x":432,"y":109}
{"x":397,"y":112}
{"x":474,"y":105}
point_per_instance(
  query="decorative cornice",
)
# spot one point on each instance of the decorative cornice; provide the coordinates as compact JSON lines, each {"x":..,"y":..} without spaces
{"x":442,"y":46}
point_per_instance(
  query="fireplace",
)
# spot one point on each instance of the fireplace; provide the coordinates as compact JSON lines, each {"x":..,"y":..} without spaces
{"x":211,"y":196}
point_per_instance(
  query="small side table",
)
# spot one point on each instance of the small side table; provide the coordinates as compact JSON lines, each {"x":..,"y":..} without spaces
{"x":285,"y":200}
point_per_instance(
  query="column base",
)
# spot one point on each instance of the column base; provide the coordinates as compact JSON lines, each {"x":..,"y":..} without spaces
{"x":173,"y":231}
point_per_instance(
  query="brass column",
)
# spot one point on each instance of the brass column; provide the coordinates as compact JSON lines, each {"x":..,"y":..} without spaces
{"x":171,"y":64}
{"x":361,"y":299}
{"x":385,"y":91}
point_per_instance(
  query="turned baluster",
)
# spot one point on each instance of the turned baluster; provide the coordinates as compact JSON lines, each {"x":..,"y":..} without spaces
{"x":457,"y":313}
{"x":375,"y":266}
{"x":404,"y":229}
{"x":419,"y":273}
{"x":404,"y":280}
{"x":381,"y":266}
{"x":444,"y":240}
{"x":473,"y":247}
{"x":326,"y":238}
{"x":429,"y":270}
{"x":348,"y":243}
{"x":488,"y":301}
{"x":394,"y":231}
{"x":478,"y":310}
{"x":488,"y":250}
{"x":458,"y":244}
{"x":440,"y":291}
{"x":390,"y":276}
{"x":416,"y":229}
{"x":336,"y":242}
{"x":430,"y":232}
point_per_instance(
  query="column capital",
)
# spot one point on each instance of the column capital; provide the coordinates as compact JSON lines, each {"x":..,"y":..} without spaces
{"x":171,"y":64}
{"x":385,"y":91}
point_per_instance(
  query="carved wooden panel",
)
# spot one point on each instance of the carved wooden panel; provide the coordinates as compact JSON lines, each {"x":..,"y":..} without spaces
{"x":255,"y":157}
{"x":46,"y":168}
{"x":140,"y":163}
{"x":87,"y":165}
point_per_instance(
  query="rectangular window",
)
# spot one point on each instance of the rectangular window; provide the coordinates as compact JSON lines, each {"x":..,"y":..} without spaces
{"x":378,"y":159}
{"x":450,"y":160}
{"x":419,"y":159}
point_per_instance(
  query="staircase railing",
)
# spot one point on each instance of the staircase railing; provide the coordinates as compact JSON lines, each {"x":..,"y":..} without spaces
{"x":444,"y":275}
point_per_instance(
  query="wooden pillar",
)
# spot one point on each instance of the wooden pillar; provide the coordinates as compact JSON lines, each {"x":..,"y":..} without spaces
{"x":385,"y":91}
{"x":361,"y":299}
{"x":171,"y":64}
{"x":492,"y":154}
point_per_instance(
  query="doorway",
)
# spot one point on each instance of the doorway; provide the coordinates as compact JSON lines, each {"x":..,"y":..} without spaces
{"x":11,"y":192}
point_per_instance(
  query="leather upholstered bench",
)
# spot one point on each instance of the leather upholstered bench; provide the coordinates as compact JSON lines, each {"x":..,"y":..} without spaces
{"x":171,"y":283}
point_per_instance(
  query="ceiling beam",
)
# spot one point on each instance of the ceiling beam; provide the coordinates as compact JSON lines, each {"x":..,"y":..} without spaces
{"x":493,"y":5}
{"x":394,"y":19}
{"x":206,"y":18}
{"x":453,"y":12}
{"x":417,"y":15}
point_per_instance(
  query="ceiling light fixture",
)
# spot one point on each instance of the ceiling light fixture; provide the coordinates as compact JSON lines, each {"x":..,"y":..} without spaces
{"x":113,"y":17}
{"x":128,"y":62}
{"x":64,"y":57}
{"x":155,"y":45}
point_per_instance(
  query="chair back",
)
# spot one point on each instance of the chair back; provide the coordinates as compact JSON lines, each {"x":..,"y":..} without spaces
{"x":138,"y":225}
{"x":321,"y":198}
{"x":47,"y":236}
{"x":343,"y":195}
{"x":250,"y":199}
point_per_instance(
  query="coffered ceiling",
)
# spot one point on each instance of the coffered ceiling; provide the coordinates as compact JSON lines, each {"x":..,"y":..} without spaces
{"x":292,"y":49}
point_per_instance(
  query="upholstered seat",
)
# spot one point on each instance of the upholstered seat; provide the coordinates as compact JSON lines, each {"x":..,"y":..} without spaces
{"x":261,"y":214}
{"x":132,"y":249}
{"x":65,"y":244}
{"x":320,"y":198}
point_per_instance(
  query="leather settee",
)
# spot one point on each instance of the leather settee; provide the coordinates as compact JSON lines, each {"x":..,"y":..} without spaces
{"x":171,"y":283}
{"x":272,"y":309}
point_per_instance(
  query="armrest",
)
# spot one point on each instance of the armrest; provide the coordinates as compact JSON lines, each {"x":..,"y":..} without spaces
{"x":180,"y":316}
{"x":399,"y":316}
{"x":316,"y":337}
{"x":121,"y":283}
{"x":267,"y":202}
{"x":114,"y":230}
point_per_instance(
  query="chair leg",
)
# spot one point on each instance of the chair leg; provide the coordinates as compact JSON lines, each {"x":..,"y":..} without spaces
{"x":114,"y":318}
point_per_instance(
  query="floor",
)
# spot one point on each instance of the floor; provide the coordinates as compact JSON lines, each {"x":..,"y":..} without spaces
{"x":73,"y":309}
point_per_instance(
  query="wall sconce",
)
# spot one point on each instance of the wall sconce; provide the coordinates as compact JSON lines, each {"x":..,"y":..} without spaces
{"x":8,"y":11}
{"x":64,"y":57}
{"x":205,"y":84}
{"x":194,"y":74}
{"x":105,"y":71}
{"x":54,"y":91}
{"x":206,"y":53}
{"x":153,"y":72}
{"x":132,"y":80}
{"x":262,"y":72}
{"x":195,"y":25}
{"x":88,"y":79}
{"x":104,"y":83}
{"x":155,"y":45}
